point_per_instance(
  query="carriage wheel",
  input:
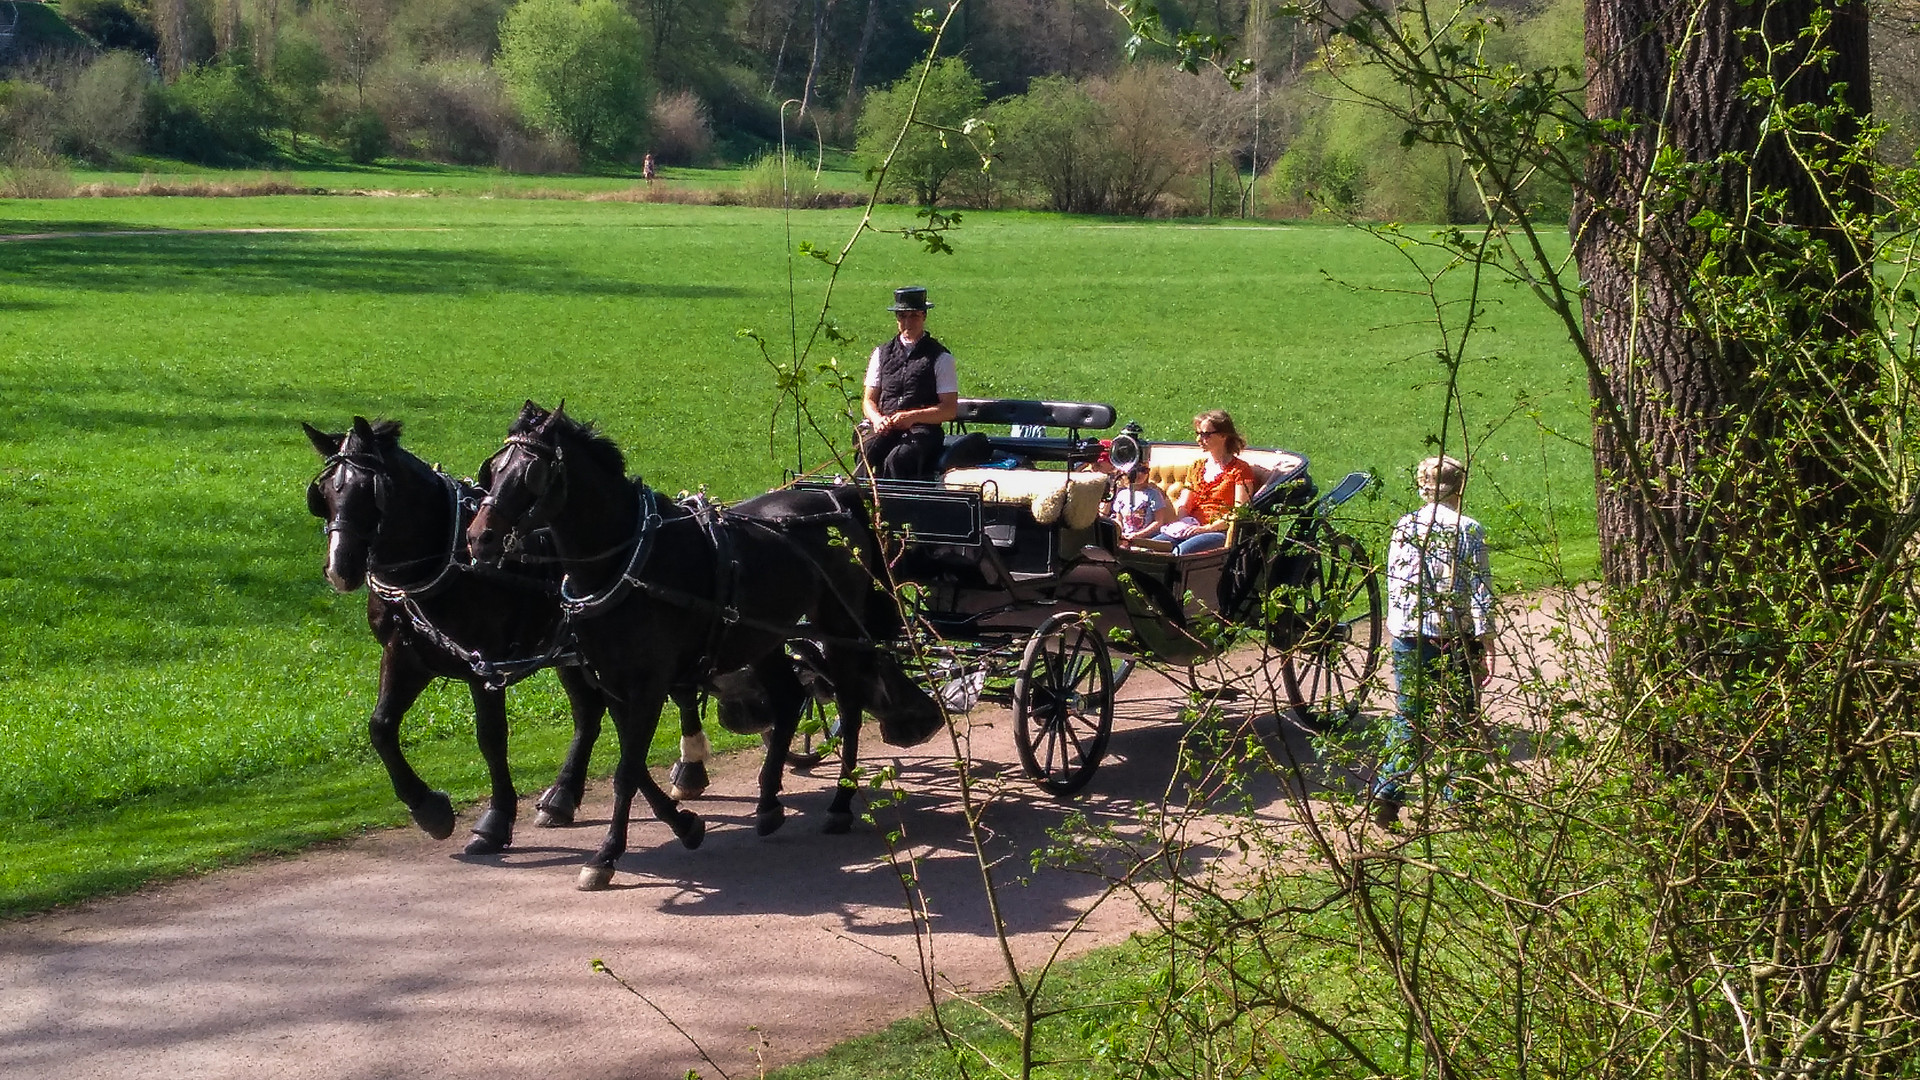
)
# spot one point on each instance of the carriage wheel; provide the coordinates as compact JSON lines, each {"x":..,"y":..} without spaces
{"x":1330,"y":666}
{"x":1063,"y":703}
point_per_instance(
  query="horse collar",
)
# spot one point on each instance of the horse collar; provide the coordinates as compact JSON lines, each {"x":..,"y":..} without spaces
{"x":450,"y":563}
{"x":586,"y":607}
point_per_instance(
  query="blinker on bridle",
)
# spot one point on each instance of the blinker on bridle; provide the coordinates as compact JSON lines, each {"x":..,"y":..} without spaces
{"x":335,"y":468}
{"x":537,"y":476}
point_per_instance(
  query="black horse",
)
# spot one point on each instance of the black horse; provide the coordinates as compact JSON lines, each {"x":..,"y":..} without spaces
{"x":660,"y":595}
{"x":398,"y":526}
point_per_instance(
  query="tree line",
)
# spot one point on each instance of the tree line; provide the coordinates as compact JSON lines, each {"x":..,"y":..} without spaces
{"x":1080,"y":118}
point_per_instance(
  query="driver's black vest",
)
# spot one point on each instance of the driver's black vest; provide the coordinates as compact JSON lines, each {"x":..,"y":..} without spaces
{"x":906,"y":375}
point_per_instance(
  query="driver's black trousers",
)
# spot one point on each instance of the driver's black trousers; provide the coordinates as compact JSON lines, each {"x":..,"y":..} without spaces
{"x":913,"y":454}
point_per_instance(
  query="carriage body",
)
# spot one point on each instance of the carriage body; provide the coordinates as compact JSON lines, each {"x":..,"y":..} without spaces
{"x":1009,"y":564}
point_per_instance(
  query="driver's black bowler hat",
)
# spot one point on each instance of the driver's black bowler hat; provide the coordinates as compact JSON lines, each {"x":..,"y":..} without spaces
{"x":911,"y":298}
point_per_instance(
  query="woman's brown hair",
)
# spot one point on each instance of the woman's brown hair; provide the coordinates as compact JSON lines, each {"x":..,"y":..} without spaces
{"x":1221,"y":420}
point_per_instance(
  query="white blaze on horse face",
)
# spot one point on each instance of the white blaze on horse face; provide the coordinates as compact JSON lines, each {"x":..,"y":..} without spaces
{"x":339,"y":583}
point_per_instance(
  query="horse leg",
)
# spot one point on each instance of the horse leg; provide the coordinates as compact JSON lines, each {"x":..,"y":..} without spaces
{"x":787,"y":698}
{"x":557,"y":804}
{"x":635,"y":716}
{"x":688,"y":779}
{"x":401,"y":681}
{"x":494,"y":831}
{"x":857,"y":679}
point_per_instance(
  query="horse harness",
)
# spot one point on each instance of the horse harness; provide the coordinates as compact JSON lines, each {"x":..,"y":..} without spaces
{"x":722,"y":607}
{"x":494,"y":674}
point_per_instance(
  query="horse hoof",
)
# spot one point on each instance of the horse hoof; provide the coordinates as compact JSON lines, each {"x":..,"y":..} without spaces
{"x":595,"y":878}
{"x":688,"y":779}
{"x":485,"y":845}
{"x":839,"y":822}
{"x":691,"y":830}
{"x":434,"y":815}
{"x":768,"y":822}
{"x":554,"y":808}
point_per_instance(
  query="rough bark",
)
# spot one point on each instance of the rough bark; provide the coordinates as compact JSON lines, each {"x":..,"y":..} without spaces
{"x":1671,"y":394}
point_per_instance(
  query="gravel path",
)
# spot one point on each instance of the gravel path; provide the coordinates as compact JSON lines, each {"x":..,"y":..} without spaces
{"x":394,"y":955}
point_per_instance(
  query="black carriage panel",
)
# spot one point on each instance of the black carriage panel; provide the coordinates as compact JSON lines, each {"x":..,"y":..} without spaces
{"x":1026,"y":547}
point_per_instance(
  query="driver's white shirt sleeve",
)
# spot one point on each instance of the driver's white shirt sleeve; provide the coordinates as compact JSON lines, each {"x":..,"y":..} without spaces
{"x":873,"y":368}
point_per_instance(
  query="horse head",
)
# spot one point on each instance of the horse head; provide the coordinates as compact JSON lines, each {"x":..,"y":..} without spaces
{"x":350,"y":494}
{"x":525,"y":482}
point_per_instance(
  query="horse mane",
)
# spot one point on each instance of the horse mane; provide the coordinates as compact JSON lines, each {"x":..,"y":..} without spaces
{"x":603,"y":451}
{"x":386,"y":434}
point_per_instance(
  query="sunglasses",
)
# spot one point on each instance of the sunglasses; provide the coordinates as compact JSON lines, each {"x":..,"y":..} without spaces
{"x":1202,"y":434}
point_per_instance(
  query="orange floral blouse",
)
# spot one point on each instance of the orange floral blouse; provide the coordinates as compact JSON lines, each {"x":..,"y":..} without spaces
{"x":1213,"y":499}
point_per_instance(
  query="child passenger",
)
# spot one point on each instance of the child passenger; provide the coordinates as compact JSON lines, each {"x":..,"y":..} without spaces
{"x":1140,"y":508}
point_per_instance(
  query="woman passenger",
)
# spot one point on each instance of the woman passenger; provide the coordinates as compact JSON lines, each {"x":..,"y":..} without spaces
{"x":1216,"y":485}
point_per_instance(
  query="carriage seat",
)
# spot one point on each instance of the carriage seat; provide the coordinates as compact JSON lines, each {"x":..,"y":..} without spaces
{"x":1168,"y":464}
{"x":1053,"y":497}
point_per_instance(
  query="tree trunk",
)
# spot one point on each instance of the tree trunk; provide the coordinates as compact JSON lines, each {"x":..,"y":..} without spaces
{"x":1670,"y":395}
{"x":821,"y":10}
{"x":170,"y":26}
{"x":860,"y":50}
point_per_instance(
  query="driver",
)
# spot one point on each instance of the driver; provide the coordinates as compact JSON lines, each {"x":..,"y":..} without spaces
{"x":912,"y":387}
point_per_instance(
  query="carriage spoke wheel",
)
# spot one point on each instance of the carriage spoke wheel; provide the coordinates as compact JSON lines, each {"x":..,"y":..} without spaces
{"x":1063,"y":703}
{"x":1330,"y":667}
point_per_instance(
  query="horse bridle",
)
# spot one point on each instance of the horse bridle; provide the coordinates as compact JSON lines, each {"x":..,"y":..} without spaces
{"x":336,"y":467}
{"x":548,"y":461}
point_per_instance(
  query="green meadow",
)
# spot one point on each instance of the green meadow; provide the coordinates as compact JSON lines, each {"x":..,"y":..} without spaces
{"x":179,"y":687}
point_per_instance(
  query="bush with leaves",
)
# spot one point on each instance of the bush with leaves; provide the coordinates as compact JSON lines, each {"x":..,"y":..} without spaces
{"x":456,"y":111}
{"x":216,"y":114}
{"x":104,"y":110}
{"x":1098,"y":146}
{"x":574,"y":68}
{"x":682,"y":129}
{"x":935,"y":156}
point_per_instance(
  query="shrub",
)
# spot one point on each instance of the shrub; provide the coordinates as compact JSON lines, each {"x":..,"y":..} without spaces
{"x":103,"y":112}
{"x":764,"y":185}
{"x":364,"y":136}
{"x":682,"y":129}
{"x":536,"y":154}
{"x":216,"y":113}
{"x":1102,"y":146}
{"x":28,"y":172}
{"x":928,"y":163}
{"x":29,"y":118}
{"x":454,"y":112}
{"x":574,"y":69}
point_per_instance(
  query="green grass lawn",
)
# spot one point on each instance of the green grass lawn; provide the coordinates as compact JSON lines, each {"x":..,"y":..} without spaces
{"x":170,"y":655}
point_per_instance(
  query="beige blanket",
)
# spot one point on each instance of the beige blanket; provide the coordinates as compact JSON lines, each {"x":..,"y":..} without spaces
{"x":1069,"y":498}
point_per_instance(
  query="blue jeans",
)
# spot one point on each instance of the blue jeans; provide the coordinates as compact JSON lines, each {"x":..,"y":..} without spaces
{"x":1206,"y":541}
{"x":1426,"y":673}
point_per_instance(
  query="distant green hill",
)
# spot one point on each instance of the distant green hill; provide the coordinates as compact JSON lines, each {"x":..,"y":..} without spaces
{"x":36,"y":28}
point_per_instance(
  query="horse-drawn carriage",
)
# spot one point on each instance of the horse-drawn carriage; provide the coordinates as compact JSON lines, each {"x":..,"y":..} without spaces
{"x":1009,"y":567}
{"x":1004,"y":568}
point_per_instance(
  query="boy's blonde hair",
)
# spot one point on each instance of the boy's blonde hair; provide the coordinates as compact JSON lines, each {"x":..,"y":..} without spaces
{"x":1440,"y":477}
